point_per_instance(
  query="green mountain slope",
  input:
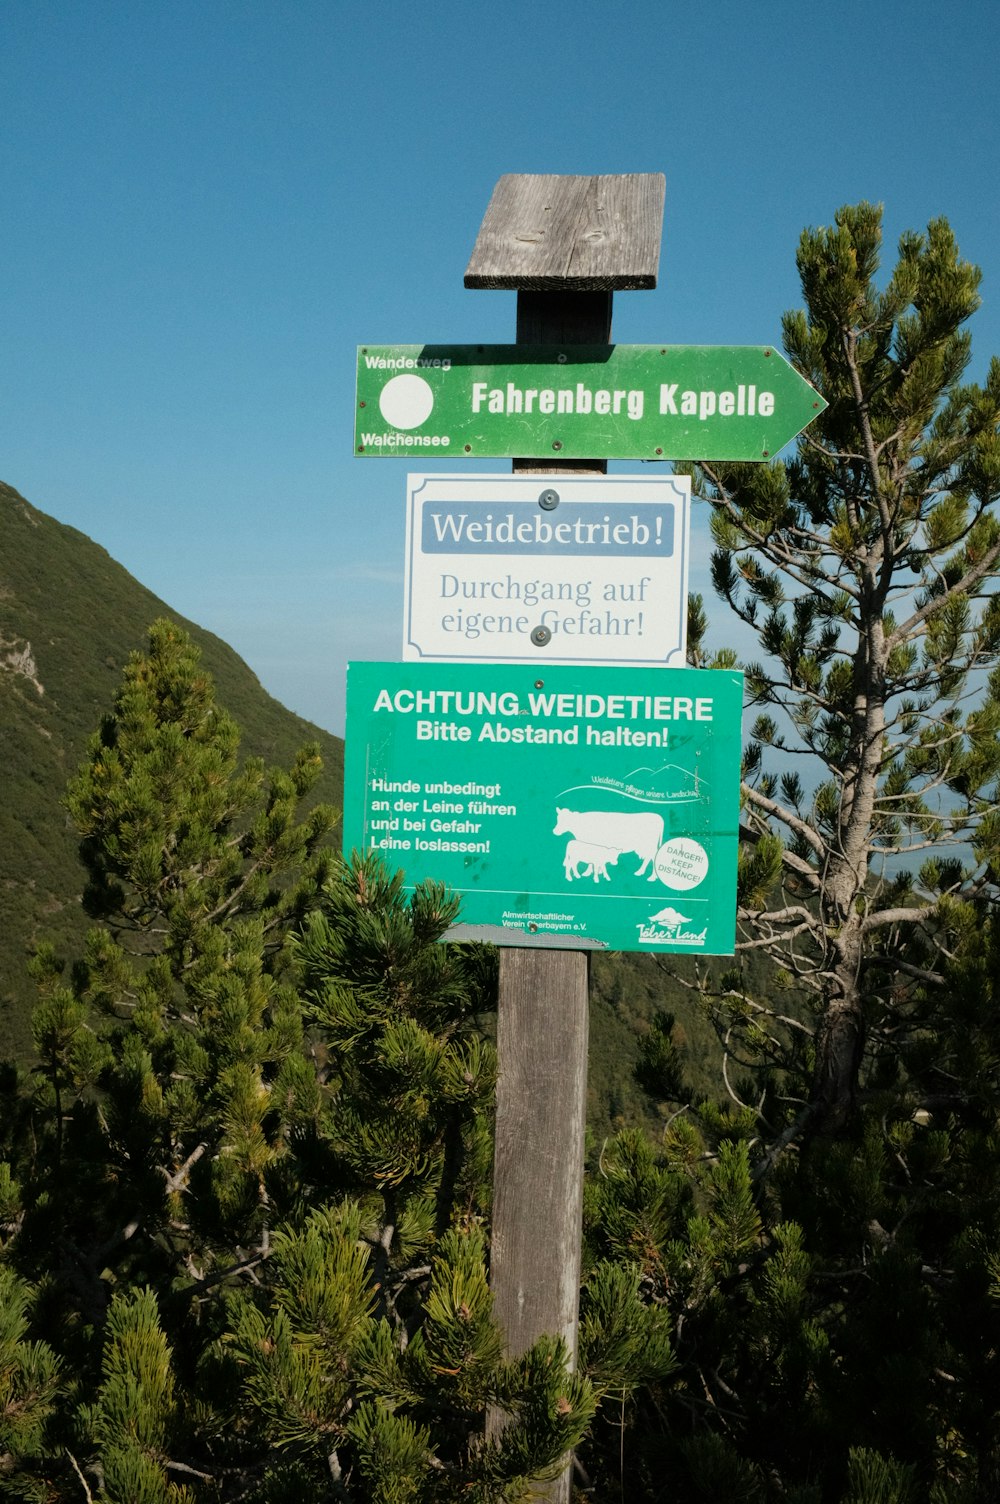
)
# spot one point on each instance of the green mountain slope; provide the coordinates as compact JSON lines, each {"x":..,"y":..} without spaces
{"x":69,"y":617}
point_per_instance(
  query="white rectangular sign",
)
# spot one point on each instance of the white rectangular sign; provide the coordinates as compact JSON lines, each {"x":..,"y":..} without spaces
{"x":547,"y":569}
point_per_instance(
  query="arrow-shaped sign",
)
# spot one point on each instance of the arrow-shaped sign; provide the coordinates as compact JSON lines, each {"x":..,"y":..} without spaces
{"x":626,"y":402}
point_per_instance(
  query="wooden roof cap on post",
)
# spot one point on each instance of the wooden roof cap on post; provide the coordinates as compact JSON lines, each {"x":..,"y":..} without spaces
{"x":545,"y":232}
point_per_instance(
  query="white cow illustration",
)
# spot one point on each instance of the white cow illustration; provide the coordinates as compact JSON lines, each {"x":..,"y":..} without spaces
{"x":641,"y":833}
{"x":595,"y":860}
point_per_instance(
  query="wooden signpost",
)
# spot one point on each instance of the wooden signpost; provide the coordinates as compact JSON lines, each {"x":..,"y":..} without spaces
{"x":565,"y":244}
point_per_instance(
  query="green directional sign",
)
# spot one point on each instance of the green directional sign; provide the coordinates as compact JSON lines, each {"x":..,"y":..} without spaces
{"x":600,"y":804}
{"x":627,"y":402}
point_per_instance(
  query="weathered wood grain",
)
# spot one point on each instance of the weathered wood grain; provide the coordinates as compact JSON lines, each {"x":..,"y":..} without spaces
{"x":586,"y":234}
{"x":542,"y":1032}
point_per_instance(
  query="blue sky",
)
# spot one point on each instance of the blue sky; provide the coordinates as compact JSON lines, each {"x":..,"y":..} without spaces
{"x":207,"y":207}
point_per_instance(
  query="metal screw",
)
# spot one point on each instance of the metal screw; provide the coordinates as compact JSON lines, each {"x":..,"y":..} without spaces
{"x":659,"y":450}
{"x":362,"y":404}
{"x":561,"y":359}
{"x":557,"y":443}
{"x":468,"y":448}
{"x":766,"y":453}
{"x":767,"y":352}
{"x":532,"y":929}
{"x":540,"y":636}
{"x":539,"y":683}
{"x":549,"y":500}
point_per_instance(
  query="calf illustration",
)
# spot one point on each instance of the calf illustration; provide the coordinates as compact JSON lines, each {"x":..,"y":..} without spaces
{"x":641,"y":833}
{"x":595,"y":860}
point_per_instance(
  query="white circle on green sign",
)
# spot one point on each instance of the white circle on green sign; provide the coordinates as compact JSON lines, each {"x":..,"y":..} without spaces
{"x":681,"y":863}
{"x":406,"y":401}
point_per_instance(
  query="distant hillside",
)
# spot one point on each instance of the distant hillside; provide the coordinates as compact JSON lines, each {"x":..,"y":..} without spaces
{"x":69,"y":617}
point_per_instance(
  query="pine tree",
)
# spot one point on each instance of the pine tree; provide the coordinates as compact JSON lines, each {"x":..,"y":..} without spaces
{"x":29,"y":1383}
{"x":409,"y":1067}
{"x":866,"y":567}
{"x":171,"y":1058}
{"x":181,"y":1014}
{"x":824,"y":1238}
{"x":375,"y":1363}
{"x":250,"y":1174}
{"x":135,"y":1411}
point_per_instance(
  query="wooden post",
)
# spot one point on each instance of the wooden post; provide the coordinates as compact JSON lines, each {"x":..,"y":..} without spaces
{"x":538,"y":1168}
{"x":564,"y":243}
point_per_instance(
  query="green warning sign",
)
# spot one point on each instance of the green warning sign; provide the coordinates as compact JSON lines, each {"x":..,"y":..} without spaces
{"x":591,"y":802}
